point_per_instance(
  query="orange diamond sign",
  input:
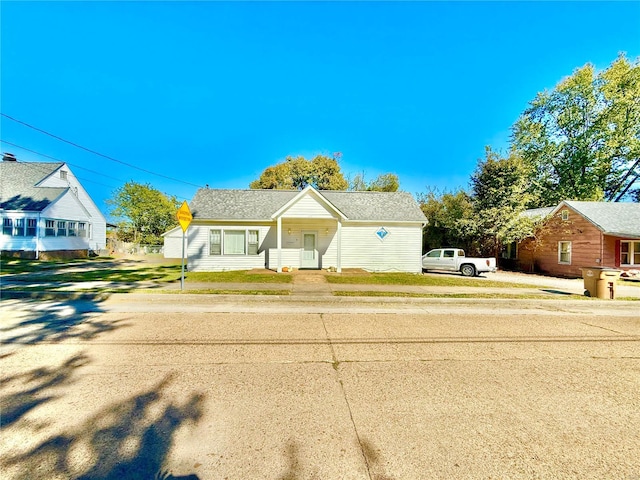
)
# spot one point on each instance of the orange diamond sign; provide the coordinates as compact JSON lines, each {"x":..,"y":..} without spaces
{"x":184,"y":216}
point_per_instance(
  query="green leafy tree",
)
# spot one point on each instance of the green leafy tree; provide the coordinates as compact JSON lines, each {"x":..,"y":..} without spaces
{"x":321,"y":172}
{"x":582,"y":139}
{"x":451,"y":220}
{"x":144,"y":212}
{"x":499,"y":190}
{"x":387,"y":182}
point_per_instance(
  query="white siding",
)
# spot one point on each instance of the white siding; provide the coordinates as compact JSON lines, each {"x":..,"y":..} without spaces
{"x":307,"y":207}
{"x":401,"y":250}
{"x":67,"y":208}
{"x":199,"y":259}
{"x":292,"y":243}
{"x":98,"y":240}
{"x":173,"y":244}
{"x":9,"y":242}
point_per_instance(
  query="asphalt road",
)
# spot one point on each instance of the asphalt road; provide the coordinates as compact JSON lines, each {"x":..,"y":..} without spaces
{"x":215,"y":387}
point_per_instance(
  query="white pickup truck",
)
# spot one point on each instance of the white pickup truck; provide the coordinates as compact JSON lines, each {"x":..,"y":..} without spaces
{"x":453,"y":259}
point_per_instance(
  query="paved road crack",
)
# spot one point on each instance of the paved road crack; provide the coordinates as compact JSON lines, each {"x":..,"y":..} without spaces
{"x":336,"y":366}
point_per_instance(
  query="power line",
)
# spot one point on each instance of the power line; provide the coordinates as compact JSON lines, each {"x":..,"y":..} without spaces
{"x":46,"y":172}
{"x":96,"y":153}
{"x":75,"y":166}
{"x":59,"y":160}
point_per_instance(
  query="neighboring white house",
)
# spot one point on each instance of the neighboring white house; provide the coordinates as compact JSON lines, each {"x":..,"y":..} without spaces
{"x":44,"y":210}
{"x":173,"y":243}
{"x":273,"y":229}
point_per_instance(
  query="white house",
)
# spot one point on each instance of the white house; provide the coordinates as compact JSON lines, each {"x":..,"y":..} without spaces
{"x":309,"y":229}
{"x":46,"y":212}
{"x":173,"y":243}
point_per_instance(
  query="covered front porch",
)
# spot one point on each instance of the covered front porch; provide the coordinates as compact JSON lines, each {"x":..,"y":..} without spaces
{"x":312,"y":244}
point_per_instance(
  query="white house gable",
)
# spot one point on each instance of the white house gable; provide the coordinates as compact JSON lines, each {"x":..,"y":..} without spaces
{"x":45,"y":208}
{"x":67,"y":206}
{"x":308,"y":204}
{"x":307,"y":207}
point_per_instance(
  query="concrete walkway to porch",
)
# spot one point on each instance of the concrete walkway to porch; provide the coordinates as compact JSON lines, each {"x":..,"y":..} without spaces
{"x":310,"y":282}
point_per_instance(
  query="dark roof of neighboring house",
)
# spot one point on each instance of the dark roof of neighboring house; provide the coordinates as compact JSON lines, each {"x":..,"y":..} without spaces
{"x":18,"y":190}
{"x":613,"y":218}
{"x":263,"y":204}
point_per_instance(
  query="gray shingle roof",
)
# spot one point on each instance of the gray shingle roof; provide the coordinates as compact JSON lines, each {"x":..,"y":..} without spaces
{"x":262,"y":204}
{"x":18,"y":189}
{"x":619,"y":218}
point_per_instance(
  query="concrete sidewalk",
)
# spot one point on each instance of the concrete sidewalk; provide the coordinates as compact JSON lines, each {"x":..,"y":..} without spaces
{"x":315,"y":284}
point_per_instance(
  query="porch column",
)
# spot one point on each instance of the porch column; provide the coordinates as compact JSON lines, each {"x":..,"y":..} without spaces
{"x":339,"y":241}
{"x":279,"y":244}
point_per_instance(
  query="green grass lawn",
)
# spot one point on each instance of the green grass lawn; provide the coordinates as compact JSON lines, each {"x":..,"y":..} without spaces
{"x":90,"y":270}
{"x":12,"y":266}
{"x":510,"y":296}
{"x":236,"y":276}
{"x":421,"y":280}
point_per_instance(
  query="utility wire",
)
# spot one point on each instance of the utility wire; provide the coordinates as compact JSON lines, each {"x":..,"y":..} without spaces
{"x":59,"y":160}
{"x":96,"y":153}
{"x":45,"y":171}
{"x":38,"y":166}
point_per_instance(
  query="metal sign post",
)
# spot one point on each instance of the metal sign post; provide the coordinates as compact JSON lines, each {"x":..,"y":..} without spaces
{"x":184,"y":218}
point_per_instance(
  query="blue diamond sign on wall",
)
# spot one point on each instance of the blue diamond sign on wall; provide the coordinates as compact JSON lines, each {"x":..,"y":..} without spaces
{"x":382,"y":233}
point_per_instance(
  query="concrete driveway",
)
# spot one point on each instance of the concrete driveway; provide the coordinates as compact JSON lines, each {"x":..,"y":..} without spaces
{"x":214,"y":387}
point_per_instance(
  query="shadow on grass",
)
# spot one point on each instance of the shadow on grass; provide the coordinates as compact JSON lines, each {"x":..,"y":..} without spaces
{"x":558,"y":292}
{"x":115,"y":272}
{"x":127,"y":440}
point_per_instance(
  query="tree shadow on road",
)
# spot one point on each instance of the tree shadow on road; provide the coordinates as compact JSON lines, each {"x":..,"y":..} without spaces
{"x":35,"y":389}
{"x":56,"y":321}
{"x":127,"y":440}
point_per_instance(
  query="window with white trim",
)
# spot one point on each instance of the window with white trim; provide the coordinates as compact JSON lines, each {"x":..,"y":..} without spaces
{"x":215,"y":242}
{"x":252,"y":242}
{"x":49,"y":228}
{"x":62,"y":229}
{"x":630,"y":253}
{"x":71,"y":229}
{"x":564,"y":253}
{"x":32,"y":224}
{"x":7,"y":226}
{"x":233,"y":242}
{"x":565,"y":215}
{"x":82,"y":229}
{"x":18,"y":227}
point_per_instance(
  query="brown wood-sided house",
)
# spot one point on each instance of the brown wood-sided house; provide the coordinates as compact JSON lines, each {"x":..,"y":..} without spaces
{"x":576,"y":234}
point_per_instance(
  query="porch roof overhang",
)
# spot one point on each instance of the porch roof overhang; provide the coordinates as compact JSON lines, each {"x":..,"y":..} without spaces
{"x":622,"y":235}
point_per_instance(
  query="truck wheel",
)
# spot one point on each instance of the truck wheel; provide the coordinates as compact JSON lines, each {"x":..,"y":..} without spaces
{"x":468,"y":270}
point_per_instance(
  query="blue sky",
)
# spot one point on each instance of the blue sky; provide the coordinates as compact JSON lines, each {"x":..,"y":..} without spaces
{"x":215,"y":92}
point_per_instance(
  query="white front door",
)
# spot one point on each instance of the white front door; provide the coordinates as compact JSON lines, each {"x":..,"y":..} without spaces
{"x":309,"y":250}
